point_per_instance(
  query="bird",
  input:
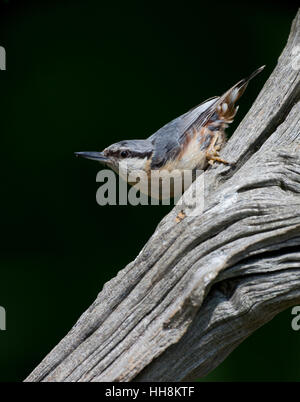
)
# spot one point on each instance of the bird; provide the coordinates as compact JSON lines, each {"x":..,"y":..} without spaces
{"x":189,"y":142}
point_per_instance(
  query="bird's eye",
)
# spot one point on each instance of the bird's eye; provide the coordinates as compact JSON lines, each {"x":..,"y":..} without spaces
{"x":124,"y":154}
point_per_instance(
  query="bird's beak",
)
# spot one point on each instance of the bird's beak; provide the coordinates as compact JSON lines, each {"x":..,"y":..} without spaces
{"x":95,"y":156}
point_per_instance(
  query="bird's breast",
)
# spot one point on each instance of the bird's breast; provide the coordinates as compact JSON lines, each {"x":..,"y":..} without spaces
{"x":193,"y":149}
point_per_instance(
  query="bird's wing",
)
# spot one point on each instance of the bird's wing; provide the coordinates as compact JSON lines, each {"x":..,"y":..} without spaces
{"x":213,"y":114}
{"x":168,"y":140}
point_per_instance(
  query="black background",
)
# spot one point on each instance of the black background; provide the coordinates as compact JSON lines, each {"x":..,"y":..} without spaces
{"x":80,"y":76}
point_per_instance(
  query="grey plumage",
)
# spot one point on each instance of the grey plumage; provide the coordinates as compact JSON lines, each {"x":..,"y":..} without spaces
{"x":168,"y":139}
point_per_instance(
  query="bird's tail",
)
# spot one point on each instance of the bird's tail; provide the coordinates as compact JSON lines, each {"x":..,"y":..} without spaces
{"x":226,"y":104}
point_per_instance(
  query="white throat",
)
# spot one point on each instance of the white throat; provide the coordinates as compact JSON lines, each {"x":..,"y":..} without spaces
{"x":131,"y":166}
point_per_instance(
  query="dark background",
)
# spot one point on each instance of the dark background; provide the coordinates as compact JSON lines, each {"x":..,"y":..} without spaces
{"x":80,"y":76}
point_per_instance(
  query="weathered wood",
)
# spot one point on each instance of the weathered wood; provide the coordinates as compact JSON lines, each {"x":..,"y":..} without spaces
{"x":200,"y":287}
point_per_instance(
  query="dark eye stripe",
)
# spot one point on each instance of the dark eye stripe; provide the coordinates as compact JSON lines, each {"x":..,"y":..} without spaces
{"x":141,"y":154}
{"x":128,"y":154}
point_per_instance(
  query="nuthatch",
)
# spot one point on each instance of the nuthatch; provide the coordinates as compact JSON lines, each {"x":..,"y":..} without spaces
{"x":189,"y":142}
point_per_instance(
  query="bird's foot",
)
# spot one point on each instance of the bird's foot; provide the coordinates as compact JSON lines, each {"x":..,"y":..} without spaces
{"x":214,"y":157}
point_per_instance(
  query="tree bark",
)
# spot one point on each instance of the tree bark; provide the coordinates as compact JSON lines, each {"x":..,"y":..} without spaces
{"x":201,"y":286}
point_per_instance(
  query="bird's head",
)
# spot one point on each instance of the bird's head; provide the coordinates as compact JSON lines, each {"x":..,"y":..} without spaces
{"x":124,"y":156}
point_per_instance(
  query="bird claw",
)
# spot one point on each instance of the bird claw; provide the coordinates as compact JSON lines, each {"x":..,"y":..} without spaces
{"x":214,"y":157}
